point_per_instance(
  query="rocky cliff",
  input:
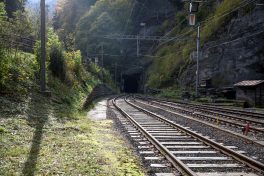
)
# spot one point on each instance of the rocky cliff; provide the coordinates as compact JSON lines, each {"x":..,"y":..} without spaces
{"x":236,"y":54}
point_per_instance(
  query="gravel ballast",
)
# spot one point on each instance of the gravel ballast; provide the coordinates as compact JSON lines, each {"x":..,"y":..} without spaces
{"x":252,"y":150}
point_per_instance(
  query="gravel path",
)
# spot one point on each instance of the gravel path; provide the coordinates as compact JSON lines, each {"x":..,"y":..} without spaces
{"x":99,"y":111}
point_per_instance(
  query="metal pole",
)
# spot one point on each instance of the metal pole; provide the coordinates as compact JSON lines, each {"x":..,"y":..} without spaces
{"x":102,"y":55}
{"x":116,"y":74}
{"x":43,"y":47}
{"x":197,"y":60}
{"x":121,"y":82}
{"x":137,"y":46}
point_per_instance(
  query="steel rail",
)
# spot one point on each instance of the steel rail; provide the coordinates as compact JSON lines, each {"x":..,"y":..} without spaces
{"x":237,"y":111}
{"x":213,"y":118}
{"x":223,"y":114}
{"x":256,"y":165}
{"x":178,"y":164}
{"x":208,"y":124}
{"x":228,"y":110}
{"x":221,"y":109}
{"x":232,"y":111}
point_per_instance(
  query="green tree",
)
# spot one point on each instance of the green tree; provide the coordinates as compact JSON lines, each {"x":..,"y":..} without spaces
{"x":66,"y":17}
{"x":13,"y":5}
{"x":105,"y":17}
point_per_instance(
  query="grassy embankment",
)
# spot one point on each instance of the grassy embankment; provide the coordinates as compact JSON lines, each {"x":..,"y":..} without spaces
{"x":40,"y":143}
{"x":42,"y":135}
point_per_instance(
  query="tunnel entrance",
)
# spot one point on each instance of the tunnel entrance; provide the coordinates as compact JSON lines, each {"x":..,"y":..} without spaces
{"x":131,"y":83}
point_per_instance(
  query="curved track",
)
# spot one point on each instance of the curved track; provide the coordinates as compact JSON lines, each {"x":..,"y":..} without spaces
{"x":188,"y":152}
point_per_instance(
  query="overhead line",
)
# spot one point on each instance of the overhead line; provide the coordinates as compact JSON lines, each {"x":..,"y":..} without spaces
{"x":225,"y":43}
{"x":246,"y":2}
{"x":131,"y":12}
{"x":224,"y":14}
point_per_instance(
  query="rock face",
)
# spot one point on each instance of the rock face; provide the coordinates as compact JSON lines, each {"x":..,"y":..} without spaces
{"x":153,"y":13}
{"x":147,"y":17}
{"x":237,"y":55}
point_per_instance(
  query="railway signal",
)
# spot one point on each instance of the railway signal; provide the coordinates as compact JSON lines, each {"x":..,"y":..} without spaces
{"x":192,"y":19}
{"x":193,"y":9}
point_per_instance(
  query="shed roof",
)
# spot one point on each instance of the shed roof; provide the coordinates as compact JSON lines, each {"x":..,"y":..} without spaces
{"x":249,"y":83}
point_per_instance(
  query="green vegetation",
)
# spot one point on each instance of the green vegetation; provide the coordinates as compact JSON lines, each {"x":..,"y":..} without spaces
{"x":173,"y":59}
{"x":39,"y":142}
{"x":217,"y":19}
{"x":104,"y":17}
{"x":81,"y":29}
{"x":13,"y":6}
{"x":42,"y":135}
{"x":171,"y":93}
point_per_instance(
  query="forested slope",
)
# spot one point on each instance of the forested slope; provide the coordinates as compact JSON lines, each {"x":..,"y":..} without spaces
{"x":50,"y":134}
{"x":226,"y":28}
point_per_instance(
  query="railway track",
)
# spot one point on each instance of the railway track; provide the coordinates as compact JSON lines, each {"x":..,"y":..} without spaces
{"x":216,"y":116}
{"x":172,"y":147}
{"x":227,"y":111}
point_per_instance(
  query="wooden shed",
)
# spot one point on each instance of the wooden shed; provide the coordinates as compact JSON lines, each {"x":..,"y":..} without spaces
{"x":251,"y":91}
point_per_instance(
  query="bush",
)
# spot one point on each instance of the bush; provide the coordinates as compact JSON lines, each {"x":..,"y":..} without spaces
{"x":17,"y":70}
{"x":57,"y":64}
{"x":74,"y":64}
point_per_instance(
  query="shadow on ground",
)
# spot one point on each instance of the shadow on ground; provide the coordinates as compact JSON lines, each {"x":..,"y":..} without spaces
{"x":38,"y":114}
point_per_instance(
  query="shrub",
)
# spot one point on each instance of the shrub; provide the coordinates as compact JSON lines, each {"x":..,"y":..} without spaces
{"x":74,"y":63}
{"x":57,"y":64}
{"x":17,"y":70}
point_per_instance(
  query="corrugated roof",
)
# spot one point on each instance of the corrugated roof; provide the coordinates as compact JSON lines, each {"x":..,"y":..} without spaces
{"x":249,"y":83}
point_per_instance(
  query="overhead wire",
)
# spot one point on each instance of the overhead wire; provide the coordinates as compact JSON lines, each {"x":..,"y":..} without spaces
{"x":227,"y":12}
{"x":131,"y":12}
{"x":210,"y":19}
{"x":235,"y":40}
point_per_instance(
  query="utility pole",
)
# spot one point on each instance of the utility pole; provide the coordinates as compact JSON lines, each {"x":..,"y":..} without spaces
{"x":116,"y":74}
{"x":138,"y":45}
{"x":102,"y":55}
{"x":193,"y":9}
{"x":197,"y":60}
{"x":43,"y":47}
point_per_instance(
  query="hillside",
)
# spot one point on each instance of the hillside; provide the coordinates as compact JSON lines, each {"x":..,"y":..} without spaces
{"x":171,"y":64}
{"x":50,"y":133}
{"x":114,"y":88}
{"x":221,"y":43}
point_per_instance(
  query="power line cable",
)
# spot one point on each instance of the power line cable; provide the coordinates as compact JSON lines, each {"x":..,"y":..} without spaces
{"x":235,"y":40}
{"x":243,"y":4}
{"x":131,"y":12}
{"x":237,"y":34}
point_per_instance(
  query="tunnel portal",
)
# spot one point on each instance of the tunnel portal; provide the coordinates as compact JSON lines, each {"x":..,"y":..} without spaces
{"x":131,"y":83}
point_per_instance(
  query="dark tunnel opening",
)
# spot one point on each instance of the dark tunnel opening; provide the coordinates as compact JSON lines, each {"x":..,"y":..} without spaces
{"x":131,"y":83}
